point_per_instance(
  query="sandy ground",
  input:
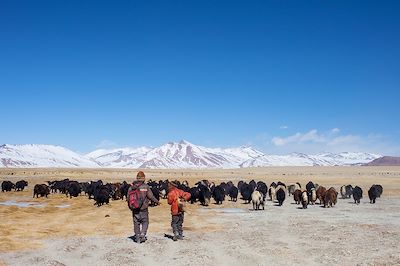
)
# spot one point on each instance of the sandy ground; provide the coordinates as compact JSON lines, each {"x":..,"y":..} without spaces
{"x":81,"y":234}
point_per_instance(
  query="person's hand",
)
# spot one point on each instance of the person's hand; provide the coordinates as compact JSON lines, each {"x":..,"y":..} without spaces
{"x":159,"y":203}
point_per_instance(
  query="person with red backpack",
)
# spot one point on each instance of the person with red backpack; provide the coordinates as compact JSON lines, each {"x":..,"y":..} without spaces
{"x":176,"y":199}
{"x":139,"y":196}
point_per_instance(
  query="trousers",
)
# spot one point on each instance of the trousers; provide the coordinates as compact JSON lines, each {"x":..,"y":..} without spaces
{"x":176,"y":224}
{"x":140,"y":222}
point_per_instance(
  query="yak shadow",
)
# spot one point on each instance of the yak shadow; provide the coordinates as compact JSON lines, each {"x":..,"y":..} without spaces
{"x":277,"y":205}
{"x":365,"y":202}
{"x":327,"y":206}
{"x":300,"y":208}
{"x":256,"y":210}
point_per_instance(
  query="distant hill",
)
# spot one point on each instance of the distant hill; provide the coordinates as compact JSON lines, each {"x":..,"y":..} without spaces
{"x":385,"y":161}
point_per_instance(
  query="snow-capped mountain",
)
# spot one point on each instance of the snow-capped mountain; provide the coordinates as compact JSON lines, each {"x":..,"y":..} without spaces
{"x":323,"y":159}
{"x":181,"y":154}
{"x":119,"y":158}
{"x":184,"y":154}
{"x":32,"y":155}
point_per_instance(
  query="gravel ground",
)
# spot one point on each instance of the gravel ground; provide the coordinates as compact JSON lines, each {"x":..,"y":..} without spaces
{"x":347,"y":234}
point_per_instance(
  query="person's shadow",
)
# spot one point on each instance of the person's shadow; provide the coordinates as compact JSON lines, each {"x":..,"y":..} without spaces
{"x":133,"y":238}
{"x":169,"y":236}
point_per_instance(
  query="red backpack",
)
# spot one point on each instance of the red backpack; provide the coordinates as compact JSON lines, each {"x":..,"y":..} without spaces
{"x":135,"y":198}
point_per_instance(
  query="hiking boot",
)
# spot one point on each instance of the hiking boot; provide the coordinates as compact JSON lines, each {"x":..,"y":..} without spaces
{"x":180,"y":237}
{"x":137,"y":239}
{"x":143,"y":239}
{"x":175,"y":238}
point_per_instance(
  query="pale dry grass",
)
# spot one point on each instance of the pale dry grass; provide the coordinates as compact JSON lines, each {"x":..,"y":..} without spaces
{"x":27,"y":228}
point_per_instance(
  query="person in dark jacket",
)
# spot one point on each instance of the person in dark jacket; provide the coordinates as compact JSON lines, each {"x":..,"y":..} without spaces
{"x":175,"y":196}
{"x":141,"y":216}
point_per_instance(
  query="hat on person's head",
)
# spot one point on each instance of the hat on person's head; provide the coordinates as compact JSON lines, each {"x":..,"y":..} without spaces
{"x":140,"y":176}
{"x":174,"y":183}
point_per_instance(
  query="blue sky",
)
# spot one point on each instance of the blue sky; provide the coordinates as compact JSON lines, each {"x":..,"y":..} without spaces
{"x":282,"y":76}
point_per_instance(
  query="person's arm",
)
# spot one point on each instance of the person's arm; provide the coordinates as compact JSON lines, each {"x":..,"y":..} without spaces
{"x":187,"y":196}
{"x":151,"y":197}
{"x":184,"y":195}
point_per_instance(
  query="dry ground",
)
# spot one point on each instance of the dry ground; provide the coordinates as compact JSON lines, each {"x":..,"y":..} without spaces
{"x":84,"y":234}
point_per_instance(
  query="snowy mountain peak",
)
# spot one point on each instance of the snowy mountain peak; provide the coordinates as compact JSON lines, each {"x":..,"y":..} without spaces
{"x":39,"y":155}
{"x":182,"y":154}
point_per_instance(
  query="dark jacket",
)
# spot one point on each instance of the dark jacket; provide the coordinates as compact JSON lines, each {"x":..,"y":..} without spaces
{"x":146,"y":193}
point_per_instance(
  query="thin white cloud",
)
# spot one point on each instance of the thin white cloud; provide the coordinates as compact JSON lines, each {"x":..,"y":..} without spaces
{"x":106,"y":144}
{"x":344,"y":140}
{"x":311,"y":136}
{"x":284,"y":127}
{"x":335,"y":130}
{"x":331,"y":140}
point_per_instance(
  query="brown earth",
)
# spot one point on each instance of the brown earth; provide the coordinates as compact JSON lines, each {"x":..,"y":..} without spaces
{"x":385,"y":161}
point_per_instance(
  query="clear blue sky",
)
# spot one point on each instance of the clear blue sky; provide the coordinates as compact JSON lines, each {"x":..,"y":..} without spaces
{"x":282,"y":76}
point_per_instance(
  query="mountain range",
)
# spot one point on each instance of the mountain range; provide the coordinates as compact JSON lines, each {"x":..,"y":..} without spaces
{"x":172,"y":155}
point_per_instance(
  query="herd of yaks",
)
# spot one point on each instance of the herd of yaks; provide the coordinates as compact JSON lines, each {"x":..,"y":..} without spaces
{"x":204,"y":190}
